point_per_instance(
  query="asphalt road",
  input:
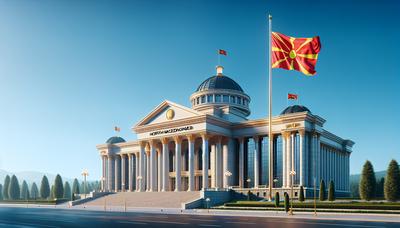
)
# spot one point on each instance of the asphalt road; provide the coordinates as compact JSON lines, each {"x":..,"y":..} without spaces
{"x":45,"y":217}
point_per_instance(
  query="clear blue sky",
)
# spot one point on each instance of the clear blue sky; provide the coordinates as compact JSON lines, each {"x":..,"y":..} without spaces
{"x":71,"y":70}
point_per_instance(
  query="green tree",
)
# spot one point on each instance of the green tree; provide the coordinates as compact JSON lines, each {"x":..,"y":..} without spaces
{"x":58,"y":187}
{"x":5,"y":187}
{"x":34,"y":191}
{"x":392,"y":182}
{"x":44,"y":188}
{"x":331,"y":191}
{"x":322,"y":191}
{"x":301,"y":194}
{"x":286,"y":202}
{"x":13,"y":189}
{"x":75,"y":187}
{"x":1,"y":192}
{"x":277,"y":199}
{"x":67,"y":191}
{"x":379,"y":187}
{"x":367,"y":185}
{"x":24,"y":191}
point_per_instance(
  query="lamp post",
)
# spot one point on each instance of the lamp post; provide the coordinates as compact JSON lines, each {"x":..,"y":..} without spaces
{"x":275,"y":181}
{"x":85,"y":173}
{"x":139,"y":178}
{"x":227,"y":174}
{"x":292,"y":174}
{"x":207,"y":202}
{"x":103,"y":188}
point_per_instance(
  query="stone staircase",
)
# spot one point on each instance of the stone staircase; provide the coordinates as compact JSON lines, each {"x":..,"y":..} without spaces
{"x":146,"y":199}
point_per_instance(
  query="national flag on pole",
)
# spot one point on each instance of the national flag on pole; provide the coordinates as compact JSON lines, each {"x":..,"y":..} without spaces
{"x":292,"y":96}
{"x":117,"y":129}
{"x":291,"y":53}
{"x":222,"y":52}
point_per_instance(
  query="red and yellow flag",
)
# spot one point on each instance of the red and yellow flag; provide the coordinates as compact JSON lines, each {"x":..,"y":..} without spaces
{"x":291,"y":53}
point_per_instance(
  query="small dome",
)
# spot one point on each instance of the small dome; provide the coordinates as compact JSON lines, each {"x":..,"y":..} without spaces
{"x":294,"y":109}
{"x":219,"y":82}
{"x":115,"y":139}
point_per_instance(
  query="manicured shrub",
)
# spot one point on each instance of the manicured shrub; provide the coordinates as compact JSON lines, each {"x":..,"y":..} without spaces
{"x":67,"y":191}
{"x":249,"y":195}
{"x":277,"y":199}
{"x":392,"y":182}
{"x":367,"y":186}
{"x":286,"y":202}
{"x":301,"y":194}
{"x":13,"y":189}
{"x":58,"y":187}
{"x":322,"y":191}
{"x":75,"y":186}
{"x":5,"y":187}
{"x":44,"y":188}
{"x":24,"y":191}
{"x":331,"y":191}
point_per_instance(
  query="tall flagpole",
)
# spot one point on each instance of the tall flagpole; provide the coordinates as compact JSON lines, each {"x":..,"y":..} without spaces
{"x":270,"y":136}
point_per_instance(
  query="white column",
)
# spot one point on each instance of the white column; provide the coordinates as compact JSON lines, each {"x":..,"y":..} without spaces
{"x":302,"y":158}
{"x":284,"y":142}
{"x":212,"y":166}
{"x":165,"y":154}
{"x":177,"y":164}
{"x":225,"y":164}
{"x":159,"y":171}
{"x":137,"y":171}
{"x":123,"y":173}
{"x":318,"y":158}
{"x":142,"y":177}
{"x":130,"y":170}
{"x":241,"y":162}
{"x":292,"y":157}
{"x":218,"y":164}
{"x":153,"y":171}
{"x":103,"y":173}
{"x":288,"y":159}
{"x":205,"y":161}
{"x":256,"y":162}
{"x":117,"y":173}
{"x":110,"y":178}
{"x":148,"y":170}
{"x":191,"y":140}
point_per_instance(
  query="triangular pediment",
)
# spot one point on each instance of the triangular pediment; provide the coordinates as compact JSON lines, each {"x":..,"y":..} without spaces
{"x":168,"y":111}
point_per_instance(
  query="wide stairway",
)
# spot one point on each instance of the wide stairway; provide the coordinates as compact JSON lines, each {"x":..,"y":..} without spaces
{"x":146,"y":199}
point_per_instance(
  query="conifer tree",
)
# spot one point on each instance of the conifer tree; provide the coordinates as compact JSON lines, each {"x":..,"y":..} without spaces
{"x":301,"y":194}
{"x":277,"y":199}
{"x":392,"y":182}
{"x":286,"y":202}
{"x":58,"y":187}
{"x":44,"y":188}
{"x":24,"y":191}
{"x":322,"y":191}
{"x":331,"y":191}
{"x":75,"y":187}
{"x":13,"y":189}
{"x":67,"y":191}
{"x":34,"y":191}
{"x":5,"y":187}
{"x":367,"y":185}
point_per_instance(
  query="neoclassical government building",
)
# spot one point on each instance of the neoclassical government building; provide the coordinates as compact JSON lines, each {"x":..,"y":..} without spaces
{"x":214,"y":145}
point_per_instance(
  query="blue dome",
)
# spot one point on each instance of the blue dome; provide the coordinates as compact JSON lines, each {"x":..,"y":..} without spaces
{"x":219,"y":82}
{"x":115,"y":139}
{"x":294,"y":109}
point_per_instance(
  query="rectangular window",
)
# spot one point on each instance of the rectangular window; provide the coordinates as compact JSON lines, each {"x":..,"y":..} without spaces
{"x":203,"y":99}
{"x":226,"y":98}
{"x":209,"y":98}
{"x":217,"y":98}
{"x":233,"y":99}
{"x":239,"y":100}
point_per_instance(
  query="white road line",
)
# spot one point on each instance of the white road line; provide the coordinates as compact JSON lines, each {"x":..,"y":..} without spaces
{"x":243,"y":223}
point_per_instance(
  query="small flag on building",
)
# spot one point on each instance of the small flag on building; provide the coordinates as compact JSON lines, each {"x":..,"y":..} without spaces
{"x":292,"y":96}
{"x":117,"y":129}
{"x":291,"y":53}
{"x":222,"y":52}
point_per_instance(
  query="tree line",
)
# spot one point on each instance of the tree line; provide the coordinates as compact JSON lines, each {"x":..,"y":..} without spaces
{"x":12,"y":190}
{"x":388,"y":187}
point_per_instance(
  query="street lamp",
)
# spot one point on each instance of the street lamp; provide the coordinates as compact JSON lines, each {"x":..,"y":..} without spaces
{"x":228,"y":174}
{"x":275,"y":181}
{"x":103,"y":180}
{"x":207,"y":202}
{"x":139,"y":178}
{"x":292,"y":174}
{"x":85,"y":173}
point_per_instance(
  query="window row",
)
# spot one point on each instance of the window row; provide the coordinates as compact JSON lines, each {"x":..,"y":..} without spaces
{"x":220,"y":98}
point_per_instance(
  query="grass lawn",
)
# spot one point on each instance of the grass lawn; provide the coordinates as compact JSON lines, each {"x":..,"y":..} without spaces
{"x":38,"y":201}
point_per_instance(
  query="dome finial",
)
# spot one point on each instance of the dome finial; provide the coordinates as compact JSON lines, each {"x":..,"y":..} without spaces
{"x":219,"y":70}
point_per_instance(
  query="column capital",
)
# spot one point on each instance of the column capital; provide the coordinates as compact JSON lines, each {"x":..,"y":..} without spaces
{"x":122,"y":155}
{"x":240,"y":139}
{"x":165,"y":141}
{"x":256,"y":138}
{"x":285,"y":134}
{"x":218,"y":139}
{"x":142,"y":143}
{"x":177,"y":139}
{"x":315,"y":134}
{"x":302,"y":132}
{"x":191,"y":137}
{"x":152,"y":143}
{"x":205,"y":136}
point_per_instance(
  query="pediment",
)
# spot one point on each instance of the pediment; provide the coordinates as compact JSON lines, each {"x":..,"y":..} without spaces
{"x":168,"y":111}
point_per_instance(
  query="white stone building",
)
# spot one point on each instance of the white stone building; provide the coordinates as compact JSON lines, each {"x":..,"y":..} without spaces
{"x":169,"y":153}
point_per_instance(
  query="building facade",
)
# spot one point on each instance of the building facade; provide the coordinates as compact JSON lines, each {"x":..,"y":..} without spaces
{"x":214,"y":145}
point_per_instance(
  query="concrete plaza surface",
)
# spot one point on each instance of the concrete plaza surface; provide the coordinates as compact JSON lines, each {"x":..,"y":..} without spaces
{"x":81,"y":216}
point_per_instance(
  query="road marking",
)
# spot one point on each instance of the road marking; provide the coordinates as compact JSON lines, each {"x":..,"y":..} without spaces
{"x":209,"y":225}
{"x":243,"y":223}
{"x":133,"y":222}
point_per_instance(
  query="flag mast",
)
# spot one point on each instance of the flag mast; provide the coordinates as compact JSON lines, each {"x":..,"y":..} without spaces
{"x":270,"y":141}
